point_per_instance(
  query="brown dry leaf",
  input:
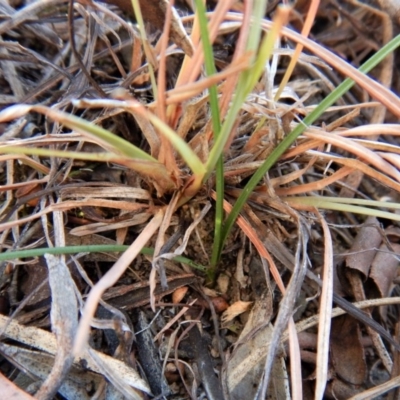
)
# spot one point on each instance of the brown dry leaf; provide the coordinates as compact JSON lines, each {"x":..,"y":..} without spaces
{"x":237,"y":308}
{"x":363,"y":250}
{"x":337,"y":389}
{"x":246,"y":364}
{"x":384,"y":269}
{"x":347,"y":353}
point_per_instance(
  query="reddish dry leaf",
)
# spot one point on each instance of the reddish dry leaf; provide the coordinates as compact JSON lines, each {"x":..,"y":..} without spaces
{"x":347,"y":353}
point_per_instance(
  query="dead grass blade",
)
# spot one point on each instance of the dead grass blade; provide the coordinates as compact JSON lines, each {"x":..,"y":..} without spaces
{"x":378,"y":92}
{"x":97,"y":227}
{"x":379,"y":390}
{"x":64,"y":322}
{"x":114,"y":377}
{"x":110,"y":278}
{"x":313,"y":186}
{"x":64,"y":313}
{"x":46,"y":341}
{"x":166,"y":222}
{"x":356,"y":164}
{"x":324,"y":325}
{"x":188,"y":91}
{"x":337,"y":312}
{"x":27,"y":161}
{"x":26,"y":13}
{"x":356,"y":148}
{"x":65,"y":206}
{"x":305,"y":32}
{"x":12,"y":391}
{"x":286,"y":306}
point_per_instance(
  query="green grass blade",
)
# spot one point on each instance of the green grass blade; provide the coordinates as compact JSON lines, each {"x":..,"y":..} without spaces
{"x":216,"y":121}
{"x":12,"y":255}
{"x":308,"y":120}
{"x":185,"y":151}
{"x":118,"y":144}
{"x":113,"y":142}
{"x":247,"y":80}
{"x":344,"y":200}
{"x":332,"y":204}
{"x":77,"y":155}
{"x":152,"y":169}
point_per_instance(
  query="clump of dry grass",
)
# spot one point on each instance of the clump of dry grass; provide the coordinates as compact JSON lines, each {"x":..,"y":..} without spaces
{"x":137,"y":135}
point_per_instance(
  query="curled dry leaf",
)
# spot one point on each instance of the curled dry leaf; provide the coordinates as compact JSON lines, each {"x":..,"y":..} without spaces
{"x":237,"y":308}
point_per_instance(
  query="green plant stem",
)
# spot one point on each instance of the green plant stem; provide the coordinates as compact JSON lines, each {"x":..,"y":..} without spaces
{"x":107,"y":248}
{"x":300,"y":128}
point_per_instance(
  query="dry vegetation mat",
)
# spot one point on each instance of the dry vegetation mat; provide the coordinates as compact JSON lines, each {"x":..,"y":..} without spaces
{"x":199,"y":199}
